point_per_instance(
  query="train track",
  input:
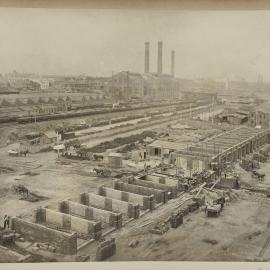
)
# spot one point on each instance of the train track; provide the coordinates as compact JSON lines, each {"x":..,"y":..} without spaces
{"x":123,"y":131}
{"x":93,"y":112}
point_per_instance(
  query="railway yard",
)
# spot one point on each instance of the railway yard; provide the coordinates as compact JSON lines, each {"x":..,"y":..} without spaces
{"x":134,"y":185}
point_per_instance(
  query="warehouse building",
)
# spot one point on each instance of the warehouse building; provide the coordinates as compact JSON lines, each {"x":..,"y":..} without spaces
{"x":228,"y":146}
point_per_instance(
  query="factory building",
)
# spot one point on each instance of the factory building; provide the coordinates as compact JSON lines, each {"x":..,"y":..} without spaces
{"x":156,"y":86}
{"x":127,"y":85}
{"x":260,"y":116}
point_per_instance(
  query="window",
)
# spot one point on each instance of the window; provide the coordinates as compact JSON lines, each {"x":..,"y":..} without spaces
{"x":157,"y":151}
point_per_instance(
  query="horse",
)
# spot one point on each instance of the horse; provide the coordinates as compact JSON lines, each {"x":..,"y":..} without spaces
{"x":25,"y":152}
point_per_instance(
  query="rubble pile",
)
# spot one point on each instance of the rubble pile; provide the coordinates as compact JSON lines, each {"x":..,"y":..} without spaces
{"x":249,"y":164}
{"x":44,"y":246}
{"x":259,"y":157}
{"x":8,"y":237}
{"x":160,"y":228}
{"x":25,"y":194}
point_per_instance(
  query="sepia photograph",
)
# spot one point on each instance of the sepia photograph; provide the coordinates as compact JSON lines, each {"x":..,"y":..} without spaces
{"x":134,"y":135}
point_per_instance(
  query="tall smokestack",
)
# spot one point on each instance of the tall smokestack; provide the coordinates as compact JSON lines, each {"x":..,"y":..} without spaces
{"x":146,"y":58}
{"x":172,"y":62}
{"x":159,"y":63}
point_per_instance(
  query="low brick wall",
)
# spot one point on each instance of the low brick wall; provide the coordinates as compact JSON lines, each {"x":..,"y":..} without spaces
{"x":106,"y":250}
{"x":145,"y":202}
{"x":160,"y":196}
{"x":129,"y":209}
{"x":65,"y":243}
{"x":160,"y":179}
{"x":91,"y":213}
{"x":84,"y":228}
{"x":145,"y":183}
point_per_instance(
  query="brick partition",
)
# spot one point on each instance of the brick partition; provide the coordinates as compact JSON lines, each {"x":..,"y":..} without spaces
{"x":94,"y":200}
{"x":65,"y":243}
{"x":144,"y":183}
{"x":145,"y":202}
{"x":159,"y":179}
{"x":91,"y":213}
{"x":84,"y":228}
{"x":160,"y":196}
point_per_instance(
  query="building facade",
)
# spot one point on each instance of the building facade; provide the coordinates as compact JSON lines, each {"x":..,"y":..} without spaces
{"x":127,"y":85}
{"x":259,"y":118}
{"x":155,"y":86}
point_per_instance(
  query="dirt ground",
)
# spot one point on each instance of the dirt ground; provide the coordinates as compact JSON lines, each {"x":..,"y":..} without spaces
{"x":50,"y":179}
{"x":237,"y":235}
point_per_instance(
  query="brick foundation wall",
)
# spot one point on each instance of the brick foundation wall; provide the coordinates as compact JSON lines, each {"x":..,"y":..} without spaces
{"x":91,"y":213}
{"x":142,"y":200}
{"x":94,"y":200}
{"x":159,"y":195}
{"x":86,"y":228}
{"x":65,"y":243}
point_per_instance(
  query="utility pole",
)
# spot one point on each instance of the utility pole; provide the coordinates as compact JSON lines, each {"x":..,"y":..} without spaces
{"x":57,"y":143}
{"x":128,"y":92}
{"x":112,"y":89}
{"x":212,"y":110}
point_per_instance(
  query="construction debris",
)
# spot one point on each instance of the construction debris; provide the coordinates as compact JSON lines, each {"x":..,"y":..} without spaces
{"x":210,"y":241}
{"x":82,"y":258}
{"x":213,"y":210}
{"x":249,"y":164}
{"x":25,"y":194}
{"x":5,"y":170}
{"x":259,"y":157}
{"x":7,"y":237}
{"x":160,"y":228}
{"x":103,"y":172}
{"x":29,"y":173}
{"x":134,"y":243}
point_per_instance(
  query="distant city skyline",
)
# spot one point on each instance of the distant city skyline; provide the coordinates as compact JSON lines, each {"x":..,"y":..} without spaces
{"x":208,"y":44}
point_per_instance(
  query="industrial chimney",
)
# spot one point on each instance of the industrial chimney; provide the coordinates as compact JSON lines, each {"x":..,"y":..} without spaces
{"x":172,"y":62}
{"x":159,"y":61}
{"x":146,"y":58}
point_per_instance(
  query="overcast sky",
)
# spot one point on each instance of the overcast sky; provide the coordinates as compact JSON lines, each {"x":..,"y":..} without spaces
{"x":213,"y":44}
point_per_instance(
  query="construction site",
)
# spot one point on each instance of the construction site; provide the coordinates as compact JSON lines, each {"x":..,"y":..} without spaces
{"x":134,"y":192}
{"x":136,"y":166}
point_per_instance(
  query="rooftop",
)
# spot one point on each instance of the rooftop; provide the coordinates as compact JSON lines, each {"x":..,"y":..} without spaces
{"x":265,"y":107}
{"x":177,"y":146}
{"x":221,"y":143}
{"x":50,"y":134}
